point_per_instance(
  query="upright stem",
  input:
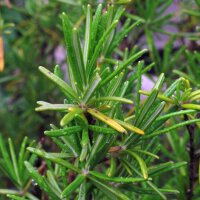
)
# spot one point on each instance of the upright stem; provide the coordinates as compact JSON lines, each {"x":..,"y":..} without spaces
{"x":190,"y":191}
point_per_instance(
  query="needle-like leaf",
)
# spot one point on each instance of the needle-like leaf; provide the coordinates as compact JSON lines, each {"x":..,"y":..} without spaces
{"x":70,"y":116}
{"x":110,"y":191}
{"x":87,"y":34}
{"x":106,"y":120}
{"x":53,"y":158}
{"x":65,"y":88}
{"x":79,"y":56}
{"x":40,"y":180}
{"x":91,"y":88}
{"x":14,"y":161}
{"x":111,"y":98}
{"x":191,"y":106}
{"x":72,"y":186}
{"x":140,"y":161}
{"x":91,"y":65}
{"x":123,"y":66}
{"x":64,"y":131}
{"x":156,"y":133}
{"x":68,"y":35}
{"x":130,"y":127}
{"x":116,"y":179}
{"x":48,"y":106}
{"x":95,"y":24}
{"x":100,"y":129}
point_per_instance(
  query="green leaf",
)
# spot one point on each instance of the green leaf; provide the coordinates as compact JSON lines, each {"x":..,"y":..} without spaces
{"x":195,"y":98}
{"x":62,"y":155}
{"x":82,"y":191}
{"x":153,"y":116}
{"x":95,"y":25}
{"x":123,"y":66}
{"x":112,"y":98}
{"x":120,"y":35}
{"x":40,"y":180}
{"x":109,"y":21}
{"x":22,"y":158}
{"x":64,"y":131}
{"x":100,"y":129}
{"x":7,"y":159}
{"x":165,"y":167}
{"x":192,"y":12}
{"x":71,"y":2}
{"x":159,"y":132}
{"x":151,"y":191}
{"x":14,"y":161}
{"x":112,"y":169}
{"x":15,"y":197}
{"x":87,"y":34}
{"x":53,"y":182}
{"x":160,"y":96}
{"x":146,"y":107}
{"x":116,"y":179}
{"x":153,"y":50}
{"x":115,"y":84}
{"x":122,"y":1}
{"x":65,"y":88}
{"x":73,"y":186}
{"x":53,"y":158}
{"x":110,"y":191}
{"x":8,"y":191}
{"x":119,"y":13}
{"x":68,"y":35}
{"x":91,"y":88}
{"x":172,"y":88}
{"x":184,"y":75}
{"x":159,"y":82}
{"x":135,"y":17}
{"x":147,"y":182}
{"x":79,"y":56}
{"x":157,"y":190}
{"x":177,"y":113}
{"x":92,"y":64}
{"x":139,"y":84}
{"x":72,"y":144}
{"x":58,"y":72}
{"x":140,"y":161}
{"x":145,"y":152}
{"x":70,"y":116}
{"x":150,"y":100}
{"x":193,"y":94}
{"x":85,"y":137}
{"x":48,"y":106}
{"x":84,"y":143}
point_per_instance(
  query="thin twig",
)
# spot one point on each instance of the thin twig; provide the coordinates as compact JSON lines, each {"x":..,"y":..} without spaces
{"x":190,"y":190}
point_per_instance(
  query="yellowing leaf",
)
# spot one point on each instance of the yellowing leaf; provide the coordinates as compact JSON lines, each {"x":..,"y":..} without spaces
{"x":1,"y":55}
{"x":191,"y":106}
{"x":107,"y":120}
{"x":130,"y":127}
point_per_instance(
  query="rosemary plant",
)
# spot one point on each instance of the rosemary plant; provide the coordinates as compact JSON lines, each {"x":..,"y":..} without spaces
{"x":108,"y":137}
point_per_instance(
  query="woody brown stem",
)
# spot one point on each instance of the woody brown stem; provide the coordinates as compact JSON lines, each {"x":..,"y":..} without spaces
{"x":190,"y":191}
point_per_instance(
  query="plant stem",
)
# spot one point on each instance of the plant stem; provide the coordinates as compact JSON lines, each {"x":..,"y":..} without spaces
{"x":190,"y":190}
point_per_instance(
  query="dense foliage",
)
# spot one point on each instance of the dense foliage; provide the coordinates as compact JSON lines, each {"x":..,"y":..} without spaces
{"x":99,"y":133}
